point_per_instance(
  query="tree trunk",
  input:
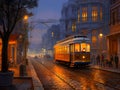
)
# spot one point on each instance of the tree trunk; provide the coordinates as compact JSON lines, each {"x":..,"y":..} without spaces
{"x":5,"y":53}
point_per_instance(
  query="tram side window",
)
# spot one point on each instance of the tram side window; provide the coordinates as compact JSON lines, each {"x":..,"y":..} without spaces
{"x":88,"y":48}
{"x":77,"y":47}
{"x":83,"y":47}
{"x":72,"y":48}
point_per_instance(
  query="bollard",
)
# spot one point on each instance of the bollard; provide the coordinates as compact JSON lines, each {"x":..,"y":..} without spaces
{"x":22,"y":70}
{"x":26,"y":61}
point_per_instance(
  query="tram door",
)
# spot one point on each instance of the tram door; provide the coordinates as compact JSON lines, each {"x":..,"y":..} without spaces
{"x":71,"y":52}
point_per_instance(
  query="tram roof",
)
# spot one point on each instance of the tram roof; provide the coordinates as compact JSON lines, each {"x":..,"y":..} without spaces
{"x":72,"y":39}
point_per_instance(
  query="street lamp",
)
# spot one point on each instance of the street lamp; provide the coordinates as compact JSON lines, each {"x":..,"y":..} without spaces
{"x":100,"y":38}
{"x":25,"y":18}
{"x":25,"y":43}
{"x":101,"y":35}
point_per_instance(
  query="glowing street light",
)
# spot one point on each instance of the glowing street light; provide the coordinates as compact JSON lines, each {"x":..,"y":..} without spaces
{"x":25,"y":19}
{"x":100,"y":35}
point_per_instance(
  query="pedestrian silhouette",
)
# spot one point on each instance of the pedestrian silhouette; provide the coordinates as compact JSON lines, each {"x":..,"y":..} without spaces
{"x":102,"y":60}
{"x":98,"y":59}
{"x":111,"y":61}
{"x":116,"y":60}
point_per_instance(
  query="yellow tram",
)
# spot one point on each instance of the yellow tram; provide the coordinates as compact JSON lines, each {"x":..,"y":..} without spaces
{"x":74,"y":50}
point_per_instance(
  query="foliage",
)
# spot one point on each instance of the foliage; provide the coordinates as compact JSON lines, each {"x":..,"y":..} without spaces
{"x":11,"y":11}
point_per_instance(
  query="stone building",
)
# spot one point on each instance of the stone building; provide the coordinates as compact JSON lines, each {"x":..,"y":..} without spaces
{"x":50,"y":38}
{"x":113,"y":39}
{"x":86,"y":17}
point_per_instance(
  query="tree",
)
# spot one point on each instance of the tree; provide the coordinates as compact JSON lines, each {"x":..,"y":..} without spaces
{"x":11,"y":11}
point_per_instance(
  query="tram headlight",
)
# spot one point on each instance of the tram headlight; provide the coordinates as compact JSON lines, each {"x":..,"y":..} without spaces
{"x":83,"y":57}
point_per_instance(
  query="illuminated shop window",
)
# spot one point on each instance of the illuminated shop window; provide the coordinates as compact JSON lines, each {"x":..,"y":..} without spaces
{"x":84,"y":14}
{"x":77,"y":47}
{"x":94,"y":14}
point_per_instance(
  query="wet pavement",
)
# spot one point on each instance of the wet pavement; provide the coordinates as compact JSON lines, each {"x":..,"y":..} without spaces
{"x":57,"y":77}
{"x":20,"y":83}
{"x":51,"y":76}
{"x":49,"y":80}
{"x":23,"y":83}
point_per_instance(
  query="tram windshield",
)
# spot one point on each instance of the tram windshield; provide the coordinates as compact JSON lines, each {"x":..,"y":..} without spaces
{"x":81,"y":47}
{"x":77,"y":47}
{"x":85,"y":47}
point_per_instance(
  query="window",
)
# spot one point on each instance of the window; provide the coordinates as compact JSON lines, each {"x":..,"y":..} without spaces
{"x":72,"y":48}
{"x":101,"y":14}
{"x":115,"y":18}
{"x":94,"y":38}
{"x":77,"y":47}
{"x":73,"y":26}
{"x":52,"y":34}
{"x":66,"y":26}
{"x":88,"y":48}
{"x":84,"y":14}
{"x":83,"y":47}
{"x":78,"y":15}
{"x":73,"y":9}
{"x":84,"y":32}
{"x":94,"y":14}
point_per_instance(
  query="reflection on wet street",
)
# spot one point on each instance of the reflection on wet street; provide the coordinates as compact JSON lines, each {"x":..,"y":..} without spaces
{"x":55,"y":76}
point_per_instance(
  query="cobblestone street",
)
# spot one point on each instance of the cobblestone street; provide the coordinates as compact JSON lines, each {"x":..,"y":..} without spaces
{"x":56,"y":76}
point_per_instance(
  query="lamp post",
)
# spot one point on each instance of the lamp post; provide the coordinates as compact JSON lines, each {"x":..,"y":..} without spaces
{"x":25,"y":43}
{"x":100,"y":38}
{"x":24,"y":38}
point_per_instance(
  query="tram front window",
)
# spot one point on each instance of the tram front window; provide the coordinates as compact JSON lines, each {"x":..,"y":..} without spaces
{"x":83,"y":47}
{"x":77,"y":47}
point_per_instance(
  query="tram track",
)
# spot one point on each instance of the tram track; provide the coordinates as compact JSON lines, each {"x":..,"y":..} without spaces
{"x":54,"y":74}
{"x":106,"y":77}
{"x":105,"y":84}
{"x":75,"y":84}
{"x":90,"y":77}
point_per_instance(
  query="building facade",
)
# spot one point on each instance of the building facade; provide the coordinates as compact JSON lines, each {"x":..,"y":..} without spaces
{"x":15,"y":45}
{"x":113,"y":38}
{"x":50,"y":38}
{"x":86,"y":17}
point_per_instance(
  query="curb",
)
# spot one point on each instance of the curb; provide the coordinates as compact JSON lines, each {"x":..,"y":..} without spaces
{"x":36,"y":82}
{"x":106,"y":69}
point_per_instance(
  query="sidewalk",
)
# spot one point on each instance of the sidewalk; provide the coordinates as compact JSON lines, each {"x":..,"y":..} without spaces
{"x":19,"y":83}
{"x":28,"y":82}
{"x":36,"y":82}
{"x":106,"y":68}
